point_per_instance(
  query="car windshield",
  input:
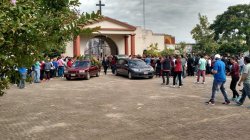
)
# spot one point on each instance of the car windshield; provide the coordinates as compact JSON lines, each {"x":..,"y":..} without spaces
{"x":81,"y":64}
{"x":137,"y":63}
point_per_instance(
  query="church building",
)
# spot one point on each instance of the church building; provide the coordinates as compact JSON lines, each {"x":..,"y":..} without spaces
{"x":116,"y":37}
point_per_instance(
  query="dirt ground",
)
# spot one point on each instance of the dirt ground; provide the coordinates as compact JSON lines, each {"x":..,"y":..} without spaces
{"x":116,"y":108}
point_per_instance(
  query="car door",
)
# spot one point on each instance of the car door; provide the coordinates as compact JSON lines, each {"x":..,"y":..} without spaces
{"x":92,"y":69}
{"x":119,"y":66}
{"x":125,"y":67}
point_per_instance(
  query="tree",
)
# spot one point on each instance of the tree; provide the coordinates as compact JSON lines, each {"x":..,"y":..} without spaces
{"x":232,"y":28}
{"x":30,"y":28}
{"x":152,"y":50}
{"x":203,"y":36}
{"x":167,"y":51}
{"x":181,"y":47}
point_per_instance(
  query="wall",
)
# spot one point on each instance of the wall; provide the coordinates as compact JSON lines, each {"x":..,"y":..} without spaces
{"x":69,"y":49}
{"x":144,"y":38}
{"x":118,"y":39}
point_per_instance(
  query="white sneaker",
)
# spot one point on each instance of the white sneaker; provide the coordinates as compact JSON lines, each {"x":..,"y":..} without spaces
{"x":179,"y":86}
{"x":173,"y":86}
{"x":203,"y":82}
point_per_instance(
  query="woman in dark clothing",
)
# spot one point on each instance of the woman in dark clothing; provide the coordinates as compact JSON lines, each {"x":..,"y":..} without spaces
{"x":105,"y":64}
{"x":166,"y":69}
{"x":190,"y":66}
{"x":113,"y":65}
{"x":42,"y":70}
{"x":235,"y":74}
{"x":158,"y":68}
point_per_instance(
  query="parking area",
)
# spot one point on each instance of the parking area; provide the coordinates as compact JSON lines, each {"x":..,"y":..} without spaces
{"x":115,"y":108}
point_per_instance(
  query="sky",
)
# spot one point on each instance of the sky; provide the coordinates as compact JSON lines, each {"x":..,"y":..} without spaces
{"x":173,"y":17}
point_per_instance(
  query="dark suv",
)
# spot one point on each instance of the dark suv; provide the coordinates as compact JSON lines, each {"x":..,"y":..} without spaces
{"x":133,"y":68}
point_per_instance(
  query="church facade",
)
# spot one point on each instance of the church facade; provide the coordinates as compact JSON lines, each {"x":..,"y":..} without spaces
{"x":115,"y":37}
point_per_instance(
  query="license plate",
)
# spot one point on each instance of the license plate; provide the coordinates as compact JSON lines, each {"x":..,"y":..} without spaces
{"x":145,"y":72}
{"x":72,"y":74}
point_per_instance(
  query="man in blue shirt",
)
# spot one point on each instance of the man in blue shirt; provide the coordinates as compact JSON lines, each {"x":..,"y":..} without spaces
{"x":219,"y":71}
{"x":148,"y":60}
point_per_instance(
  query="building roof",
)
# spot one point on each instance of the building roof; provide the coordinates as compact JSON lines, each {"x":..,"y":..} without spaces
{"x":126,"y":25}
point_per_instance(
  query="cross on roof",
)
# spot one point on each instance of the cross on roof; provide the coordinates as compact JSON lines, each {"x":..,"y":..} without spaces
{"x":100,"y":6}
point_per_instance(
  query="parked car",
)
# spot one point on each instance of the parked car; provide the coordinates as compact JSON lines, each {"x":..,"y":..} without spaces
{"x":133,"y":68}
{"x":82,"y":69}
{"x":121,"y":56}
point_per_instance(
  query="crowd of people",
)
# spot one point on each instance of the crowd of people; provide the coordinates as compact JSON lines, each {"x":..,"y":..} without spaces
{"x":44,"y":70}
{"x":175,"y":66}
{"x":238,"y":67}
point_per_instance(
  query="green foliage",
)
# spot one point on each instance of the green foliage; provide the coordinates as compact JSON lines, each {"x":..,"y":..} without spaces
{"x":232,"y":28}
{"x":3,"y":85}
{"x":231,"y":48}
{"x":204,"y":36}
{"x":31,"y":29}
{"x":182,"y":46}
{"x":152,"y":50}
{"x":166,"y":52}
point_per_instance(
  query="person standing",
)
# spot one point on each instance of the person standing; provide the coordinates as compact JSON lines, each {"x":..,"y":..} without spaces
{"x":245,"y":79}
{"x":23,"y":75}
{"x":148,"y":60}
{"x":42,"y":70}
{"x":219,"y":71}
{"x":37,"y":72}
{"x":61,"y":64}
{"x":184,"y":66}
{"x":209,"y":64}
{"x":201,"y":69}
{"x":55,"y":64}
{"x":241,"y":63}
{"x":158,"y":68}
{"x":166,"y":69}
{"x":235,"y":74}
{"x":113,"y":64}
{"x":105,"y":64}
{"x":177,"y":71}
{"x":47,"y":68}
{"x":52,"y":70}
{"x":69,"y":63}
{"x":190,"y":65}
{"x":196,"y":63}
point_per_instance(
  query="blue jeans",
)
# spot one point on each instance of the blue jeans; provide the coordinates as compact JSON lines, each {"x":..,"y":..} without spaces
{"x":22,"y":80}
{"x":245,"y":92}
{"x":216,"y":87}
{"x":241,"y":69}
{"x":60,"y":71}
{"x":37,"y":76}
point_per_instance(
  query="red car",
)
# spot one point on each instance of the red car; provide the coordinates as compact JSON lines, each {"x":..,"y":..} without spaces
{"x":82,"y":69}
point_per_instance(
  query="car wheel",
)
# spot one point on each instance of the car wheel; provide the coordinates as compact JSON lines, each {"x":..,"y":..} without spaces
{"x":150,"y":77}
{"x":87,"y":76}
{"x":130,"y":75}
{"x":98,"y":74}
{"x":68,"y":78}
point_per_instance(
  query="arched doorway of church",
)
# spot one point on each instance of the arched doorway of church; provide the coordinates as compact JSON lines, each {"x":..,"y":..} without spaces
{"x":101,"y":46}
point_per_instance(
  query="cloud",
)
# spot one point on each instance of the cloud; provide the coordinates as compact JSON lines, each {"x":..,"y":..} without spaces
{"x":175,"y":17}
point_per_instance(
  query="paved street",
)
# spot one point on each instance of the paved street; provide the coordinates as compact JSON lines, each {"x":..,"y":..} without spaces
{"x":116,"y":108}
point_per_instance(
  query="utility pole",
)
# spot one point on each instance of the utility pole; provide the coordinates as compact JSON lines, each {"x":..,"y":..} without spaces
{"x":144,"y":17}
